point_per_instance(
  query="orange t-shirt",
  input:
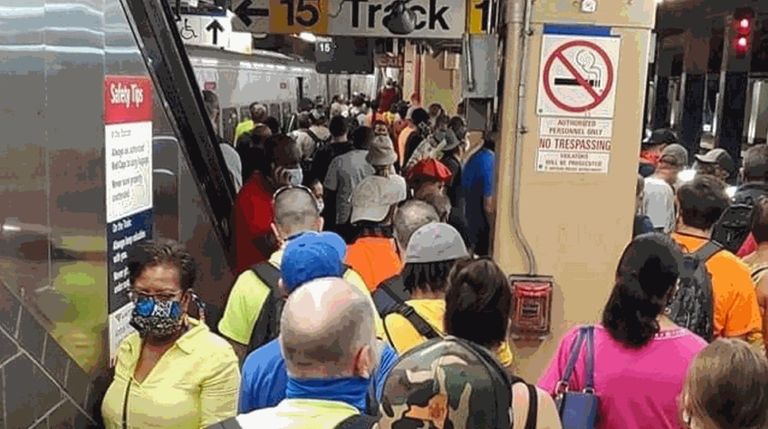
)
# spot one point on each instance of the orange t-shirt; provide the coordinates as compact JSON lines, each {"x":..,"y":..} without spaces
{"x":736,"y":309}
{"x":402,"y":139}
{"x":375,"y":259}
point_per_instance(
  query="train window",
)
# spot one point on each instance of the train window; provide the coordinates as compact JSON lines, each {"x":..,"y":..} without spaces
{"x":229,"y":123}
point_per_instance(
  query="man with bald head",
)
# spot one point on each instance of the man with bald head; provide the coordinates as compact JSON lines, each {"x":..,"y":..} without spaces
{"x":328,"y":340}
{"x":410,"y":216}
{"x":295,"y":211}
{"x":252,"y":212}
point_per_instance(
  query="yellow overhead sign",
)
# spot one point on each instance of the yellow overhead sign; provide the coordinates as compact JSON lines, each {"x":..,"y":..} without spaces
{"x":296,"y":16}
{"x":477,"y":16}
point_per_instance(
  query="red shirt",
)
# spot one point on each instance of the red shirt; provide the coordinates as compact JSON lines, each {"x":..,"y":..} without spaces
{"x":252,"y":219}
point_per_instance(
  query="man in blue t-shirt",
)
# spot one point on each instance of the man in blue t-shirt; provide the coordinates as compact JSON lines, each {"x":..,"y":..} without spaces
{"x":307,"y":257}
{"x":477,"y":182}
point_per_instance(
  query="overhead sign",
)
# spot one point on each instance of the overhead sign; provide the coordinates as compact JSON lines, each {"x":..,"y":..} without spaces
{"x":442,"y":19}
{"x":391,"y":61}
{"x":574,"y":145}
{"x":251,"y":16}
{"x":477,"y":16}
{"x":204,"y":30}
{"x":579,"y":69}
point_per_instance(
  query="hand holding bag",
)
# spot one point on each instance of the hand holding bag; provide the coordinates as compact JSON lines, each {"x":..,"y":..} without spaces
{"x":578,"y":410}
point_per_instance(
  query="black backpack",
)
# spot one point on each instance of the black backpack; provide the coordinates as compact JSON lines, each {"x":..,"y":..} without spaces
{"x":533,"y":402}
{"x":734,"y":226}
{"x":692,"y":305}
{"x":267,"y":325}
{"x":389,"y":294}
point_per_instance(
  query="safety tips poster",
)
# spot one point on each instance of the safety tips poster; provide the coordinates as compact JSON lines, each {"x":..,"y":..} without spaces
{"x":128,"y":182}
{"x":576,"y":99}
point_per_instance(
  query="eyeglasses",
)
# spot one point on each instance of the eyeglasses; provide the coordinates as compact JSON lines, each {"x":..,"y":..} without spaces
{"x":280,"y":191}
{"x":135,"y":296}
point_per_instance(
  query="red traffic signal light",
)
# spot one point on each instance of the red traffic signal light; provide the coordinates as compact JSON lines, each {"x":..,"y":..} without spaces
{"x":743,"y":21}
{"x":744,"y":24}
{"x":742,"y":42}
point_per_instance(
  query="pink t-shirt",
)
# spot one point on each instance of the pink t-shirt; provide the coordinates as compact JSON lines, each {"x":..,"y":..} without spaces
{"x":637,"y":388}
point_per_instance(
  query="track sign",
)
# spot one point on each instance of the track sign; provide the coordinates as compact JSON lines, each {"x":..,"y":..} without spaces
{"x":579,"y":70}
{"x":296,"y":16}
{"x":477,"y":16}
{"x":204,"y":30}
{"x":251,"y":16}
{"x":442,"y":19}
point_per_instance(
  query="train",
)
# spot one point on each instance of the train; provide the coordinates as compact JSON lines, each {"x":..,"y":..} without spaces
{"x":276,"y":80}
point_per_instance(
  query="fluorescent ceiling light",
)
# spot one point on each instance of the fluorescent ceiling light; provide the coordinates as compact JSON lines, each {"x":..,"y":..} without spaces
{"x":307,"y":37}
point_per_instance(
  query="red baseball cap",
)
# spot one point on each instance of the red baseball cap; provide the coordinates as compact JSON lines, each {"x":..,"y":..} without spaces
{"x":430,"y":168}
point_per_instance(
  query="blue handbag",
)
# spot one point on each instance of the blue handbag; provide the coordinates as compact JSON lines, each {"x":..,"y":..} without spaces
{"x":578,"y":410}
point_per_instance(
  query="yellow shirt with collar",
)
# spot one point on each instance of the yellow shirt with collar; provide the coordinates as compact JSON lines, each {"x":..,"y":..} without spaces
{"x":194,"y":384}
{"x":242,"y":128}
{"x":247,"y":298}
{"x":299,"y":414}
{"x":403,"y":336}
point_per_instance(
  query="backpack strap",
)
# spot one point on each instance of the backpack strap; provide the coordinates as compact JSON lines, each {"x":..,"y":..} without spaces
{"x":708,"y":250}
{"x":422,"y":326}
{"x":270,"y":276}
{"x":230,"y":423}
{"x":533,"y":402}
{"x":313,"y":136}
{"x":358,"y":421}
{"x":386,"y":287}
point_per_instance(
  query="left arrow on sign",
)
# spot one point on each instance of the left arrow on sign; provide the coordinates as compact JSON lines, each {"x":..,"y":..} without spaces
{"x":244,"y":12}
{"x":215,"y":26}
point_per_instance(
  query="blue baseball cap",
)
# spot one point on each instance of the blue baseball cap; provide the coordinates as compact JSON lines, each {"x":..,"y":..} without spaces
{"x":312,"y":255}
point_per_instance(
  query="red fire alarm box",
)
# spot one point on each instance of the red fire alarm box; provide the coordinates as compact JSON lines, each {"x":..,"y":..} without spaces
{"x":531,"y":306}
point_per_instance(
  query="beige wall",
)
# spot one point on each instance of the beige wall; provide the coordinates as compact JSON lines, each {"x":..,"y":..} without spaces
{"x":439,"y":84}
{"x":577,"y":224}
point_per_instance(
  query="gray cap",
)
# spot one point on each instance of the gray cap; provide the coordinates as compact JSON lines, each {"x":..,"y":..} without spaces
{"x":718,"y":157}
{"x":675,"y":154}
{"x":435,"y":242}
{"x":381,"y":152}
{"x":375,"y":195}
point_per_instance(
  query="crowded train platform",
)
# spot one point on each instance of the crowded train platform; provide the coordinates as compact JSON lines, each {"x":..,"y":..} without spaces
{"x":326,"y":214}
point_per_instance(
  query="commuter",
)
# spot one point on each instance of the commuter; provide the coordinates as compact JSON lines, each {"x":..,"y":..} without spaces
{"x":432,"y":147}
{"x":252,"y":212}
{"x":338,"y":106}
{"x":374,"y":253}
{"x":447,"y":383}
{"x":642,"y":224}
{"x":327,"y":339}
{"x":701,"y":203}
{"x":318,"y":191}
{"x":388,"y":95}
{"x":172,"y":372}
{"x":381,"y":156}
{"x":636,"y":345}
{"x":446,"y":212}
{"x":659,"y":202}
{"x":339,"y":145}
{"x":453,"y":154}
{"x":431,"y":253}
{"x":673,"y":160}
{"x":231,"y":157}
{"x":401,"y":121}
{"x":754,"y":184}
{"x":295,"y":212}
{"x":258,"y":116}
{"x":301,"y":135}
{"x":428,"y":176}
{"x":409,"y":216}
{"x":421,"y":129}
{"x":319,"y":128}
{"x":436,"y":111}
{"x":477,"y":307}
{"x":253,"y":151}
{"x":380,"y":128}
{"x":726,"y":388}
{"x":477,"y":183}
{"x":308,"y":257}
{"x":344,"y":174}
{"x":274,"y":125}
{"x":758,"y":264}
{"x":651,"y":148}
{"x":716,"y":162}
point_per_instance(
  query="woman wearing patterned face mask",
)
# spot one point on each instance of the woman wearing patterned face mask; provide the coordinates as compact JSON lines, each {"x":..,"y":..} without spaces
{"x":172,"y":372}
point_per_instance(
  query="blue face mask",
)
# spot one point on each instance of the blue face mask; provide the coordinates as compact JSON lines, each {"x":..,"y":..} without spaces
{"x":295,"y":176}
{"x":154,"y":318}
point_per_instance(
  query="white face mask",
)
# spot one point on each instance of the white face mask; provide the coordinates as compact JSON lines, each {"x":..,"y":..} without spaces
{"x":320,"y":206}
{"x":295,"y":176}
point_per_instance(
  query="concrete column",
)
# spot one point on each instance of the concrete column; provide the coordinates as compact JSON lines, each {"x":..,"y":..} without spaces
{"x":694,"y":83}
{"x":574,"y":233}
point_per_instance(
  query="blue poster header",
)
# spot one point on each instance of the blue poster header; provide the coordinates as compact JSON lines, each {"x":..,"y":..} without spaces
{"x":578,"y":30}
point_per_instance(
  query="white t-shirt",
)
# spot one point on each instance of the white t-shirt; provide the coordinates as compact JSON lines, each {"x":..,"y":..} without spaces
{"x":659,"y":203}
{"x":344,"y":173}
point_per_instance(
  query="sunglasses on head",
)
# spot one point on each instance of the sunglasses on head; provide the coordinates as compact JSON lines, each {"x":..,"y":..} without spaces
{"x":280,"y":191}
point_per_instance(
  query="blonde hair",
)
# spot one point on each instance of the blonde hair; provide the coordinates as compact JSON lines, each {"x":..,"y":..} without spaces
{"x":727,"y":387}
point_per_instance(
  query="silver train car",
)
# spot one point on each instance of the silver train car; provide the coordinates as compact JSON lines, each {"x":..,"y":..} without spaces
{"x":276,"y":80}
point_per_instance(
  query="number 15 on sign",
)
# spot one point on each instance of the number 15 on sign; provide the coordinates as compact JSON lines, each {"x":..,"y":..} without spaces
{"x":295,"y":16}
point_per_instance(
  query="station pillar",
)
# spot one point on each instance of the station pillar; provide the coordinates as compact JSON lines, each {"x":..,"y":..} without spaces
{"x":567,"y":155}
{"x":695,"y":64}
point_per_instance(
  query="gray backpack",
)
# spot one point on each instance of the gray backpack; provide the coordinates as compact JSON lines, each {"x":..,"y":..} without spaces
{"x":692,"y":306}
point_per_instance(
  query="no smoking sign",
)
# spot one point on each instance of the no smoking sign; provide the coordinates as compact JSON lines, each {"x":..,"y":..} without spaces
{"x":578,"y":76}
